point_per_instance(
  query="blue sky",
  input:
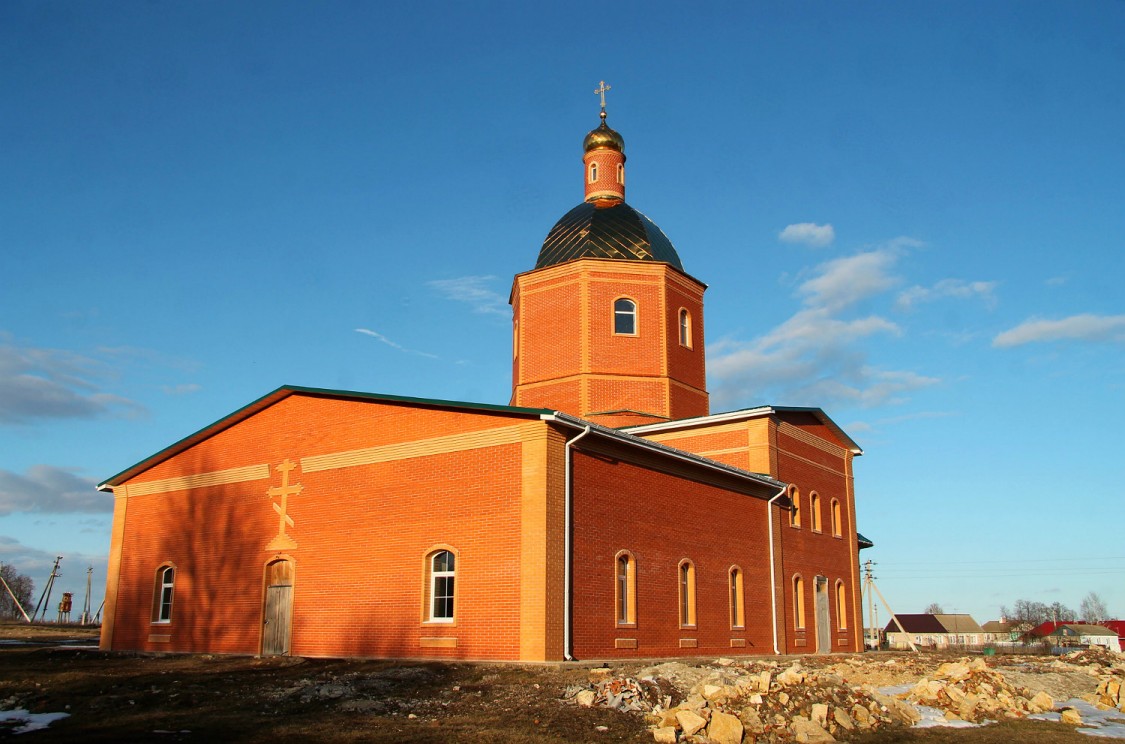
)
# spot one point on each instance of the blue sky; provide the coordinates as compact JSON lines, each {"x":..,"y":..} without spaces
{"x":909,"y":215}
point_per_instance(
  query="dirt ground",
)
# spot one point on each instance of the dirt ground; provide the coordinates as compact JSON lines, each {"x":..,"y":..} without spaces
{"x":124,"y":697}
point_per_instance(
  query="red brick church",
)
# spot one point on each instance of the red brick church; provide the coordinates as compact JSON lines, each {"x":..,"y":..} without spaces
{"x":604,"y":513}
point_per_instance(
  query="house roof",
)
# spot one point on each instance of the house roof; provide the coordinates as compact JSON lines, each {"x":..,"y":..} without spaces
{"x":1043,"y":629}
{"x":920,"y":623}
{"x":746,"y":414}
{"x":997,"y":626}
{"x":1117,"y":626}
{"x":541,"y":413}
{"x":959,"y":623}
{"x":1083,"y":629}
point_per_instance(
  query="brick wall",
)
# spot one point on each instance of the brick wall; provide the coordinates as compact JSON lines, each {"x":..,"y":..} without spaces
{"x":565,"y":330}
{"x":362,"y":534}
{"x":662,"y":519}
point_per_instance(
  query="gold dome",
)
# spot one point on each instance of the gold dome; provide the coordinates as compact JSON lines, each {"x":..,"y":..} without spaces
{"x":603,"y":136}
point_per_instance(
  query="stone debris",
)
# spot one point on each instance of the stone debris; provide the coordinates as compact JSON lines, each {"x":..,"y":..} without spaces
{"x":834,"y":698}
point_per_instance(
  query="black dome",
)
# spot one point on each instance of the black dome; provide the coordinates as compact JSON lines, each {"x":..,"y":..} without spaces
{"x":618,"y":232}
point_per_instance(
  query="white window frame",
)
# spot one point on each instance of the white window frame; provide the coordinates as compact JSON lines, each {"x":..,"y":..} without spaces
{"x":165,"y":594}
{"x":631,"y":313}
{"x":435,"y":578}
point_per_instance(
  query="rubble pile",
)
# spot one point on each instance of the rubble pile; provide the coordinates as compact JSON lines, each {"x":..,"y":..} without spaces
{"x":970,"y":691}
{"x":738,"y":702}
{"x":730,"y":702}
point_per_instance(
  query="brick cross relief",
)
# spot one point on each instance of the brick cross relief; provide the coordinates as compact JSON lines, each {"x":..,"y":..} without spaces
{"x":283,"y":541}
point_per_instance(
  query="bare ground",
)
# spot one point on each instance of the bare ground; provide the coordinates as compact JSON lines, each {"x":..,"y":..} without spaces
{"x":125,"y":697}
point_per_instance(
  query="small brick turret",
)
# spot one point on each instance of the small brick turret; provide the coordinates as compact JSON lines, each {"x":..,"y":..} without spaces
{"x":608,"y":326}
{"x":604,"y":164}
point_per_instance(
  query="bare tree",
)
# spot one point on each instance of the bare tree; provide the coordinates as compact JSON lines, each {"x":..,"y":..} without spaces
{"x":20,"y":585}
{"x":934,"y":609}
{"x":1060,"y":613}
{"x":1031,"y":614}
{"x":1093,"y":608}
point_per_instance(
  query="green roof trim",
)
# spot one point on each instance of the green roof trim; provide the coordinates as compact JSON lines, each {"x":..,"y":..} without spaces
{"x":284,"y":392}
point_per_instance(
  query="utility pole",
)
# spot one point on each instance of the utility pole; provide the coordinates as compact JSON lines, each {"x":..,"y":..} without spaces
{"x":86,"y":605}
{"x":869,"y":581}
{"x":46,"y":595}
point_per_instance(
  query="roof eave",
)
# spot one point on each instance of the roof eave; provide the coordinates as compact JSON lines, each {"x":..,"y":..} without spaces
{"x":284,"y":392}
{"x":748,"y":413}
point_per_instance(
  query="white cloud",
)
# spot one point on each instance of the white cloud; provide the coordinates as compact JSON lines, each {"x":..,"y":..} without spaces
{"x":48,"y":489}
{"x":956,"y":288}
{"x":473,"y":290}
{"x":808,"y":233}
{"x":38,"y":383}
{"x":1086,"y":327}
{"x":383,"y":339}
{"x":816,"y":356}
{"x":844,"y":281}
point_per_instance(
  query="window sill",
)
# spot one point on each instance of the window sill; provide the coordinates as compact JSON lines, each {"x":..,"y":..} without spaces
{"x":439,"y":623}
{"x":161,"y":622}
{"x":626,"y":626}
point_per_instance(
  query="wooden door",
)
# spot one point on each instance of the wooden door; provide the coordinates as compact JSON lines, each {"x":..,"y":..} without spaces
{"x":277,"y":618}
{"x":823,"y":624}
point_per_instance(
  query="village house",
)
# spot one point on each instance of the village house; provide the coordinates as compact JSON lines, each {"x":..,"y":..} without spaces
{"x":1082,"y":635}
{"x":605,"y":512}
{"x":934,"y":631}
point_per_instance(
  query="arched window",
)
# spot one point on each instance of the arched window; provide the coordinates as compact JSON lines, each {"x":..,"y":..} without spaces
{"x":685,"y":328}
{"x":837,"y":530}
{"x":621,"y":173}
{"x":795,"y":507}
{"x":162,"y":596}
{"x":624,"y":317}
{"x":625,"y":595}
{"x":814,"y":500}
{"x":841,"y":607}
{"x":593,"y":172}
{"x":443,"y":573}
{"x":737,"y":610}
{"x":798,"y":602}
{"x":687,"y":593}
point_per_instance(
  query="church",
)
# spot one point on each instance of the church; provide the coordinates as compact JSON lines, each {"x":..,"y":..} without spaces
{"x":603,"y":513}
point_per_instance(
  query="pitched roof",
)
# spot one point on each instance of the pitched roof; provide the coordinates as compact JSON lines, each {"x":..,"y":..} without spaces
{"x":959,"y":623}
{"x":573,"y":422}
{"x":998,"y":626}
{"x":920,"y":623}
{"x":1084,"y":629}
{"x":746,"y":414}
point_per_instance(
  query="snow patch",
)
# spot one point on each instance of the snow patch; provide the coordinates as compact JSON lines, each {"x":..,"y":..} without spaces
{"x":29,"y":721}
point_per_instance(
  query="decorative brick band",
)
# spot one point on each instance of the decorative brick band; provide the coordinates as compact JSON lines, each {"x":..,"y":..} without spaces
{"x":800,"y":434}
{"x":420,"y":448}
{"x":198,"y":480}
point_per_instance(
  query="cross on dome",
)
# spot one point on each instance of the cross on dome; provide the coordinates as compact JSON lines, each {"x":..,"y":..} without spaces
{"x":601,"y":90}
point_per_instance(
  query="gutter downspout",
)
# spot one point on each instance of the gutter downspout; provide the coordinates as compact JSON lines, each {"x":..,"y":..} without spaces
{"x":568,"y":548}
{"x":773,"y":579}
